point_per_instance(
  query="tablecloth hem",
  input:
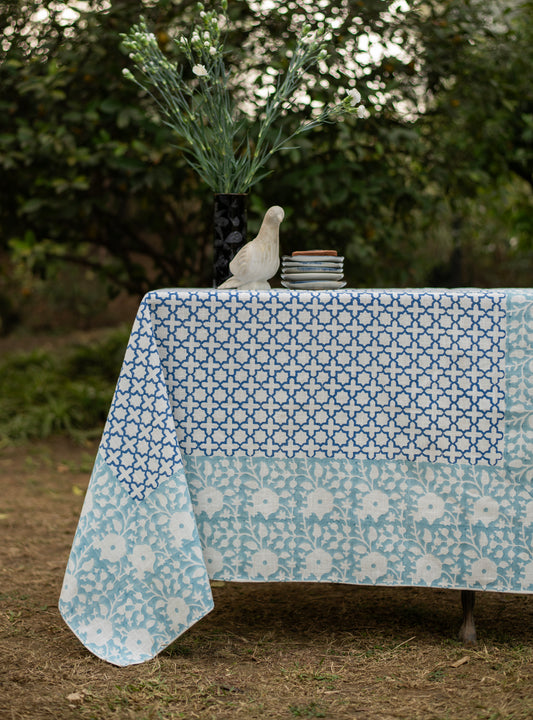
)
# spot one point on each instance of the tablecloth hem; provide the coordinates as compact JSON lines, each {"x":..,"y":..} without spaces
{"x":141,"y":660}
{"x":325,"y":581}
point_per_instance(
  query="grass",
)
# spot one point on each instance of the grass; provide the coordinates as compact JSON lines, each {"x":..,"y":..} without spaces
{"x":67,"y":390}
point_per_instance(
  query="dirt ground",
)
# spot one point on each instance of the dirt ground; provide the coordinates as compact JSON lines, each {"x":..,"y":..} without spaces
{"x":266,"y":651}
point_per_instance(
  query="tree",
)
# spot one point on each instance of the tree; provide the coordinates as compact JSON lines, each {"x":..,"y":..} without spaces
{"x":90,"y":174}
{"x":474,"y":104}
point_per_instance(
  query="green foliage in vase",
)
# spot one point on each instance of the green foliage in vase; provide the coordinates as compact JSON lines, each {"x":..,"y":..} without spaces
{"x":220,"y":143}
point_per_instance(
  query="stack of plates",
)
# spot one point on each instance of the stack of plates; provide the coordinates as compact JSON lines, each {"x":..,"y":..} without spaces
{"x":312,"y":270}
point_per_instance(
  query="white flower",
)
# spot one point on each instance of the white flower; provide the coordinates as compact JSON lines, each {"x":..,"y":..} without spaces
{"x":70,"y":588}
{"x":98,"y":632}
{"x":139,"y":642}
{"x":210,"y":500}
{"x":484,"y":571}
{"x":428,"y":569}
{"x":112,"y":547}
{"x":528,"y":573}
{"x":319,"y":502}
{"x":529,"y":513}
{"x":318,"y":563}
{"x":88,"y":502}
{"x":182,"y":526}
{"x":142,"y":558}
{"x":354,"y":95}
{"x":265,"y":502}
{"x":177,"y":611}
{"x":213,"y":561}
{"x":199,"y":71}
{"x":486,"y":510}
{"x":264,"y":563}
{"x":374,"y":566}
{"x":430,"y":507}
{"x":375,"y":504}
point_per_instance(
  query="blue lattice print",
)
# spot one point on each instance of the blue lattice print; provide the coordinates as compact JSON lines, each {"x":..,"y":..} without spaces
{"x":139,"y":441}
{"x":394,"y":375}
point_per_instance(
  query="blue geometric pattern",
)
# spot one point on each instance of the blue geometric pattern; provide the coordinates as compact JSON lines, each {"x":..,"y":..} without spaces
{"x":144,"y":551}
{"x":139,"y":440}
{"x":406,"y":375}
{"x":394,"y":375}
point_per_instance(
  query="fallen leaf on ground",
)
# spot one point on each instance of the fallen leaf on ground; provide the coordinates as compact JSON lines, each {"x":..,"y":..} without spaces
{"x":75,"y":697}
{"x":460,"y":662}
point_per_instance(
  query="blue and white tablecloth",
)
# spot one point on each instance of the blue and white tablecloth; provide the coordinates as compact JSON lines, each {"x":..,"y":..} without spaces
{"x":372,"y":437}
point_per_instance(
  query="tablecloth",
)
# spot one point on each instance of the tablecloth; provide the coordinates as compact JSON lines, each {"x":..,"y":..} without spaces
{"x":372,"y":437}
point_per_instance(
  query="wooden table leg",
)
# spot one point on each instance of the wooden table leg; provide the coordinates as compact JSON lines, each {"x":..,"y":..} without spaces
{"x":467,"y":633}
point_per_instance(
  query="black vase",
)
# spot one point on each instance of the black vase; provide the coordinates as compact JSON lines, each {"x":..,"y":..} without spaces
{"x":230,"y":232}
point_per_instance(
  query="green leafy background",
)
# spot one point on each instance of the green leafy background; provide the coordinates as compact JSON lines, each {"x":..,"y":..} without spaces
{"x":433,"y":186}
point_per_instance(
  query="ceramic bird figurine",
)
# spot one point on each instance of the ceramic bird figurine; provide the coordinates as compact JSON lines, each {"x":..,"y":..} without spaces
{"x":258,"y":261}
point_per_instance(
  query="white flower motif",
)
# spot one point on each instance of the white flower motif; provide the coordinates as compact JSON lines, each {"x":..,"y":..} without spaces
{"x":373,"y":566}
{"x":70,"y":588}
{"x":486,"y":510}
{"x":529,"y":513}
{"x":210,"y":500}
{"x":428,"y":569}
{"x":318,"y":563}
{"x":112,"y":547}
{"x":264,"y":563}
{"x":265,"y":502}
{"x":182,"y":526}
{"x":98,"y":632}
{"x":142,"y":558}
{"x":484,"y":571}
{"x":177,"y":611}
{"x":319,"y":502}
{"x":200,"y":71}
{"x":528,"y":573}
{"x":139,"y":642}
{"x":213,"y":561}
{"x":375,"y":504}
{"x":88,"y":502}
{"x":430,"y":507}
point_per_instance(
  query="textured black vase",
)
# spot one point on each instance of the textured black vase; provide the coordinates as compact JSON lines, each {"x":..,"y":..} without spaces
{"x":230,"y":232}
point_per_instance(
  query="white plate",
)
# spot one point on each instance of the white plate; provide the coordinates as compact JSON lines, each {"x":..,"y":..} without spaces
{"x":311,"y":276}
{"x":315,"y":267}
{"x":314,"y":285}
{"x":298,"y":259}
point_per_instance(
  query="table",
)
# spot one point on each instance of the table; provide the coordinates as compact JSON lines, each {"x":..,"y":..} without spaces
{"x":371,"y":437}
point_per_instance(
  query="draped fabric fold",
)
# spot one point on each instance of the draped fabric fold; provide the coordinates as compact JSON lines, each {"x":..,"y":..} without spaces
{"x":373,"y":437}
